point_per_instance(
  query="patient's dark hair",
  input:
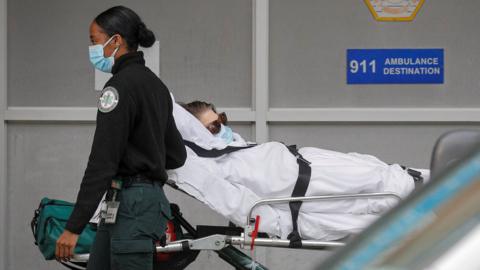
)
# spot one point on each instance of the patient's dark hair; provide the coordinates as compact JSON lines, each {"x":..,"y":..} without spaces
{"x":198,"y":107}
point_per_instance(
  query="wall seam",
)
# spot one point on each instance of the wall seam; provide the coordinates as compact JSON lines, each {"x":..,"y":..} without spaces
{"x":260,"y":68}
{"x":274,"y":115}
{"x":88,"y":114}
{"x":3,"y":135}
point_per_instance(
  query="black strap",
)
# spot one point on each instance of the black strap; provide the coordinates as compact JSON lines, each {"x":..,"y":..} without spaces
{"x":34,"y":223}
{"x":300,"y":189}
{"x":185,"y":245}
{"x":128,"y":181}
{"x":213,"y":153}
{"x":416,"y":175}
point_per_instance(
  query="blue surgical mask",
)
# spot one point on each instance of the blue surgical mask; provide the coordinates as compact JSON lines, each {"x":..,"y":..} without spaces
{"x":225,"y":134}
{"x":99,"y":61}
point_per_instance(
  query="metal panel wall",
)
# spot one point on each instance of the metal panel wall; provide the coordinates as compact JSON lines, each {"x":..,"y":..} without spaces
{"x":200,"y":57}
{"x":44,"y":160}
{"x":309,"y":39}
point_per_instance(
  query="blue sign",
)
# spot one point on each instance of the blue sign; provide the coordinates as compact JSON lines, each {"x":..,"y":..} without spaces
{"x":395,"y":66}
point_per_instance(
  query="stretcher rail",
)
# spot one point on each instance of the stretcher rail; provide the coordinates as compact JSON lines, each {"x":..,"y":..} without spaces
{"x":319,"y":198}
{"x":217,"y":242}
{"x":282,"y":243}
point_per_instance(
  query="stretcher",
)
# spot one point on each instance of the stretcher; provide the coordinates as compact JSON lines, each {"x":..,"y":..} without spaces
{"x":227,"y":241}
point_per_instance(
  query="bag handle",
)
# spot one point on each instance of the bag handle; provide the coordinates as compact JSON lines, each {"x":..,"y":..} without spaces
{"x":34,"y":222}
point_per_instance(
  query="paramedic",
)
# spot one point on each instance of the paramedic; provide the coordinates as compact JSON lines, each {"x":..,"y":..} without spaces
{"x":135,"y":141}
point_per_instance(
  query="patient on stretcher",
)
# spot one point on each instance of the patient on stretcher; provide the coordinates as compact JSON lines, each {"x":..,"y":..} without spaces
{"x":231,"y":183}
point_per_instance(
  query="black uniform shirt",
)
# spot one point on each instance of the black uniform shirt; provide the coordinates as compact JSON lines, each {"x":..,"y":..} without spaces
{"x":135,"y":134}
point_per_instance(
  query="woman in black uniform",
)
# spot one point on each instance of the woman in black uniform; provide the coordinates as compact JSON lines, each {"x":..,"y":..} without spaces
{"x":135,"y":141}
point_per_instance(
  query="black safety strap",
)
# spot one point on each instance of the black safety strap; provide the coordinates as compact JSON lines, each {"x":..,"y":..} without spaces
{"x":300,"y":189}
{"x":416,"y":175}
{"x":213,"y":153}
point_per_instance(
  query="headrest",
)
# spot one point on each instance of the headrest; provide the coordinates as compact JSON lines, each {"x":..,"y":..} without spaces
{"x":452,"y":147}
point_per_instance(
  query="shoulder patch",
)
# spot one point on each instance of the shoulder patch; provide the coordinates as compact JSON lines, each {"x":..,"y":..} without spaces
{"x":108,"y":99}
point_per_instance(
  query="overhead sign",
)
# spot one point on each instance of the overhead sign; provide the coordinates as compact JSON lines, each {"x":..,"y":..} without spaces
{"x":394,"y":10}
{"x":395,"y":66}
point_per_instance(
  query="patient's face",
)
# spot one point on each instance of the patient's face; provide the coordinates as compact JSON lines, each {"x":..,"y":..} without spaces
{"x":210,"y":120}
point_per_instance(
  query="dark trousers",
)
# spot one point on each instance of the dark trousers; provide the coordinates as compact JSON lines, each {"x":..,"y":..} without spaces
{"x":129,"y":244}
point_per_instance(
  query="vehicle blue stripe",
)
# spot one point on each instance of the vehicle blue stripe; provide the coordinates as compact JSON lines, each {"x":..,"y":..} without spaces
{"x":412,"y":217}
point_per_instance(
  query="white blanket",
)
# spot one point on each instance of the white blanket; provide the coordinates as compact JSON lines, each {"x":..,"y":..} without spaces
{"x":232,"y":183}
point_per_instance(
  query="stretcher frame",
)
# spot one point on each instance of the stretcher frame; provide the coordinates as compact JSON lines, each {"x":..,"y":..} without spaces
{"x":217,"y":242}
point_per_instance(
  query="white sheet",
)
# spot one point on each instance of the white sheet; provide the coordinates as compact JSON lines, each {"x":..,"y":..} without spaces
{"x":231,"y":184}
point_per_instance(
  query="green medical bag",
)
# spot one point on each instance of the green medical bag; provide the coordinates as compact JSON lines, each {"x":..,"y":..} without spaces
{"x":48,"y":224}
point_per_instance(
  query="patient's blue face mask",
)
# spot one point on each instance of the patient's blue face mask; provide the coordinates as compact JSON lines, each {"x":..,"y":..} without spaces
{"x":225,"y":134}
{"x":98,"y":59}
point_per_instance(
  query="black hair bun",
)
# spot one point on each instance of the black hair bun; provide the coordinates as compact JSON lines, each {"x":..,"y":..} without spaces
{"x":146,"y":38}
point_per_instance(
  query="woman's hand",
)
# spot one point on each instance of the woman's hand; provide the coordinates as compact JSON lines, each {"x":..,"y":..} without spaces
{"x":65,"y":245}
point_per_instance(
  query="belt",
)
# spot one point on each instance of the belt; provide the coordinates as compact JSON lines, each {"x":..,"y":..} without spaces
{"x":128,"y":181}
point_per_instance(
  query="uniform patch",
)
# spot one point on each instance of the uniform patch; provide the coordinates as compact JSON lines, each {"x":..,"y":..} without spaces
{"x":108,"y":99}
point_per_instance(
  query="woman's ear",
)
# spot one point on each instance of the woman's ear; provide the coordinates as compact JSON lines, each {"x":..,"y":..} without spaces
{"x":118,"y":41}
